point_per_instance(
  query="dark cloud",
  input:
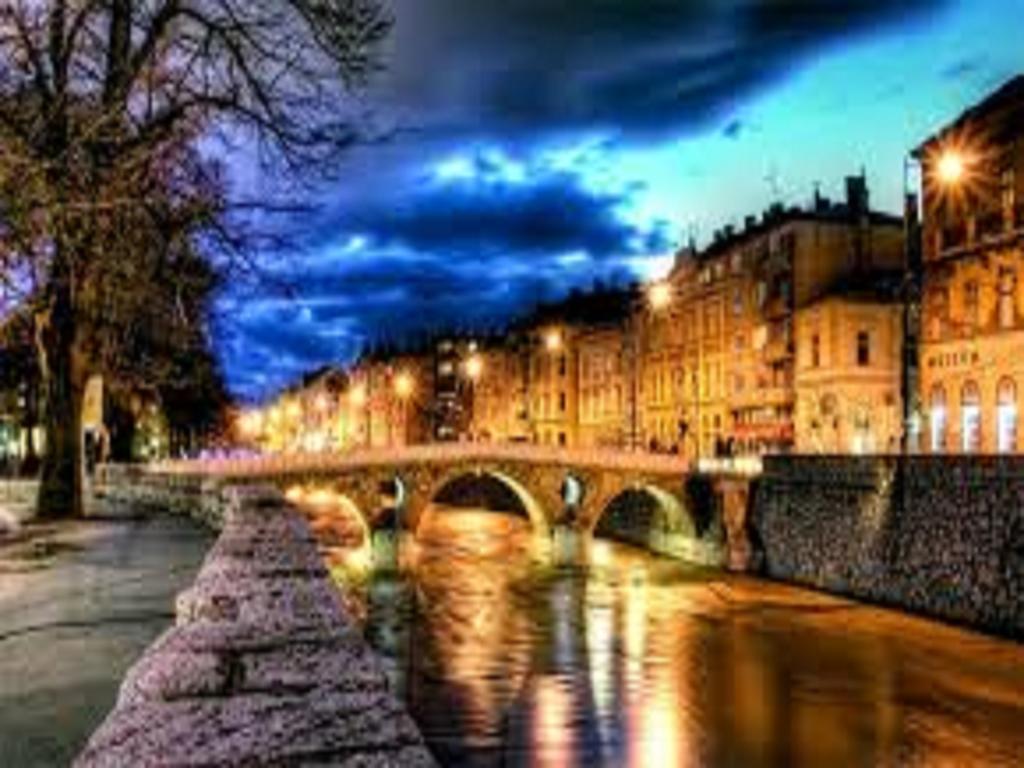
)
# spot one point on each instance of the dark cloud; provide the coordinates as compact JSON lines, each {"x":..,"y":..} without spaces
{"x":733,"y":129}
{"x":963,"y":67}
{"x":493,"y":210}
{"x":637,"y":66}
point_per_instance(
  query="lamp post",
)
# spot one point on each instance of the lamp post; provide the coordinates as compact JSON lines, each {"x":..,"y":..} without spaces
{"x":951,"y":170}
{"x":405,"y":385}
{"x":657,"y":298}
{"x":911,"y":300}
{"x":474,"y":369}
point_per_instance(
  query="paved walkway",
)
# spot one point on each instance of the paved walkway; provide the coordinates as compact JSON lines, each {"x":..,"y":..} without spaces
{"x":79,"y":602}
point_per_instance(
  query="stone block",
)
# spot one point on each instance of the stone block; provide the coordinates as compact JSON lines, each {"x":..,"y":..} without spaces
{"x":326,"y":726}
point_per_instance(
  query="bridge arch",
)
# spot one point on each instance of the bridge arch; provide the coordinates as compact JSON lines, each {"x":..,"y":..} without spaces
{"x":326,"y":499}
{"x":527,"y":498}
{"x":642,"y":513}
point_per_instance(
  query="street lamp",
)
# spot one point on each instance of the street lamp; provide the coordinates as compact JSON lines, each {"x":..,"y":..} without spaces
{"x":474,"y":368}
{"x":553,"y":340}
{"x":404,"y":385}
{"x":658,"y":298}
{"x":659,"y":295}
{"x":951,"y":166}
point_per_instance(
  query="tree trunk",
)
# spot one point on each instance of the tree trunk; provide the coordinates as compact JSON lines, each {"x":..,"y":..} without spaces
{"x":63,"y":381}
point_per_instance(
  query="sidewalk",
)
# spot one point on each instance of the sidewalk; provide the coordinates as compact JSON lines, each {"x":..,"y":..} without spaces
{"x":79,"y":602}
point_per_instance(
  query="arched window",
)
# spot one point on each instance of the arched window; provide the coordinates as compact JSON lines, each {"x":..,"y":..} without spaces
{"x":938,"y":419}
{"x":970,"y":418}
{"x":1006,"y":416}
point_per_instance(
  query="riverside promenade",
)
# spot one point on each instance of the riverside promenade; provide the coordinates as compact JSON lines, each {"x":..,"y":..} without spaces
{"x":79,"y":603}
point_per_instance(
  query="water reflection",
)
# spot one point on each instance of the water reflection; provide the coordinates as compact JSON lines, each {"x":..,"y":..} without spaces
{"x":640,"y":661}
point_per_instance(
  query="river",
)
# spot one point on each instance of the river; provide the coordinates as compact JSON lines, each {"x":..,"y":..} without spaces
{"x":641,"y":661}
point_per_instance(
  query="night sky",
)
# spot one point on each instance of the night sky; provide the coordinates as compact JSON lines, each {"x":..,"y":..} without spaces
{"x":533,"y":146}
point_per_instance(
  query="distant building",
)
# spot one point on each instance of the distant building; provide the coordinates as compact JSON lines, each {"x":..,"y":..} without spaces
{"x":733,"y":387}
{"x":847,"y":370}
{"x":972,"y":348}
{"x":496,"y":375}
{"x":603,"y":383}
{"x":553,"y":338}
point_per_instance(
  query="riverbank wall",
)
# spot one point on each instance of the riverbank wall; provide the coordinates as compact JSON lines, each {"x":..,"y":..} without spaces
{"x":263,"y":665}
{"x":941,"y":536}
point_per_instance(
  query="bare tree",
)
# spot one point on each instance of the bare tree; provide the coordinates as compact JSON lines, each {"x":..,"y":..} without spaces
{"x":109,"y":110}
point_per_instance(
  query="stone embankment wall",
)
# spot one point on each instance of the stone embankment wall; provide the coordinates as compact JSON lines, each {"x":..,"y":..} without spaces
{"x":942,"y":536}
{"x":263,"y":666}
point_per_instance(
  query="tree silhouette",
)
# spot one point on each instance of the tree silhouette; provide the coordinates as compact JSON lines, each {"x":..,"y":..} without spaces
{"x":110,"y":112}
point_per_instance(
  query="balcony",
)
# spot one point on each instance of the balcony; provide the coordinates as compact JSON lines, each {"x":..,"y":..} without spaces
{"x":776,"y":308}
{"x":778,"y":350}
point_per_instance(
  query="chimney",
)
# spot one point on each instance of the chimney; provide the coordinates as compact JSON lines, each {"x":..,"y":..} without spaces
{"x":749,"y":223}
{"x":857,"y":195}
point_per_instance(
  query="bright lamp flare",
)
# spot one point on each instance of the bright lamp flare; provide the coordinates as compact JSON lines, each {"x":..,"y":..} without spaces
{"x":659,"y":295}
{"x":474,"y":367}
{"x":357,"y":396}
{"x":951,"y":167}
{"x":404,"y":385}
{"x":553,"y":340}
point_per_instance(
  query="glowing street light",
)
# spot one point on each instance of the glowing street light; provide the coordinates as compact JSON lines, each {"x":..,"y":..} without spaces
{"x":474,"y":367}
{"x":951,"y":167}
{"x":553,"y":340}
{"x":404,"y":385}
{"x":659,"y":295}
{"x":357,"y":396}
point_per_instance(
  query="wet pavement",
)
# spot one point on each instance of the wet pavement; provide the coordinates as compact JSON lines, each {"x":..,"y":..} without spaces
{"x":79,"y":603}
{"x":641,"y":661}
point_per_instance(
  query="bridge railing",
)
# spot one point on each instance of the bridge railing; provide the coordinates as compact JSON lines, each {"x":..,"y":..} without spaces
{"x":299,"y":463}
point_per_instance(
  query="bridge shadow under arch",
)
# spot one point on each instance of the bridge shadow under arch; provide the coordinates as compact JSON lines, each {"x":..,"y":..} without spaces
{"x":645,"y":516}
{"x":484,"y":488}
{"x":329,"y":511}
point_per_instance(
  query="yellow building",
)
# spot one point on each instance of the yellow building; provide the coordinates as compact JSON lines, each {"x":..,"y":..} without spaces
{"x":603,"y":388}
{"x":390,"y":399}
{"x":972,"y":346}
{"x":554,"y":337}
{"x":497,"y":376}
{"x":728,"y":384}
{"x":848,"y":373}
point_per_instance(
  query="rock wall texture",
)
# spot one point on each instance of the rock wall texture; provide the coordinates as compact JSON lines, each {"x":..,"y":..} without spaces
{"x":263,"y":667}
{"x":942,"y":536}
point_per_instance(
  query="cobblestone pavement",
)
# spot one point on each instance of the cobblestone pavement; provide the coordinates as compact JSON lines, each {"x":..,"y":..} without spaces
{"x":79,"y":603}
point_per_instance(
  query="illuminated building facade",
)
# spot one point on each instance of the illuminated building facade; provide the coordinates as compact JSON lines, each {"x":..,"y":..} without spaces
{"x":603,"y":387}
{"x":733,"y":386}
{"x":847,"y":371}
{"x":972,"y":349}
{"x":495,"y":372}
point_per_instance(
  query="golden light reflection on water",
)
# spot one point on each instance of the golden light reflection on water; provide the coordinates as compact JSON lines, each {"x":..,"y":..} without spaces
{"x":505,"y":660}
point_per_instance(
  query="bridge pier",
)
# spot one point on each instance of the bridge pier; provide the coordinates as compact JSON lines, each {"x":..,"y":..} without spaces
{"x":734,"y":493}
{"x":569,"y":546}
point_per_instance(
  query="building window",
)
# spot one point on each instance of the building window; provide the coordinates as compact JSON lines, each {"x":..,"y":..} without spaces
{"x":561,"y":366}
{"x":815,"y":351}
{"x":1007,"y":287}
{"x":561,"y":439}
{"x":863,"y":348}
{"x":561,"y":402}
{"x":1006,"y":416}
{"x":940,"y":313}
{"x":938,"y":419}
{"x":970,"y":418}
{"x":737,"y":302}
{"x":972,"y":308}
{"x":761,"y":293}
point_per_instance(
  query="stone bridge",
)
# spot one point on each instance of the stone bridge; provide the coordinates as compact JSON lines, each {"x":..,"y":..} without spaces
{"x":560,"y":489}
